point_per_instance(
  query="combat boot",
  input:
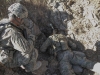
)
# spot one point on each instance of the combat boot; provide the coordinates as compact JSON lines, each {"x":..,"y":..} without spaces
{"x":37,"y":66}
{"x":31,"y":66}
{"x":96,"y":68}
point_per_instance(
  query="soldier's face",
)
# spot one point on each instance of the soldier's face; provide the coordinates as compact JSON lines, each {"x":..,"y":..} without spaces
{"x":19,"y":21}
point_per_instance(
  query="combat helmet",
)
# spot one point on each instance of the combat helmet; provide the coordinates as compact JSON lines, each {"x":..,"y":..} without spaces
{"x":18,"y":10}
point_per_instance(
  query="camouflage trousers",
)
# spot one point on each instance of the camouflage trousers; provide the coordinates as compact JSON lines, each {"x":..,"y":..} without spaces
{"x":28,"y":60}
{"x":68,"y":58}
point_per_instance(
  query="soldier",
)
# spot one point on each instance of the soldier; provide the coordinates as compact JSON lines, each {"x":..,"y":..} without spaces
{"x":66,"y":57}
{"x":15,"y":45}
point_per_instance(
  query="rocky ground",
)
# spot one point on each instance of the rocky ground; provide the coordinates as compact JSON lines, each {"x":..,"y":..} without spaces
{"x":77,"y":19}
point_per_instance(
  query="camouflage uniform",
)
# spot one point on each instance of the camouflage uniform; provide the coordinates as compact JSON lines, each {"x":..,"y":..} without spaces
{"x":64,"y":54}
{"x":16,"y":47}
{"x":19,"y":50}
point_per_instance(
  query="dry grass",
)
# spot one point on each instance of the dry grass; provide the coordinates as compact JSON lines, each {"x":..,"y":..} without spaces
{"x":5,"y":3}
{"x":3,"y":7}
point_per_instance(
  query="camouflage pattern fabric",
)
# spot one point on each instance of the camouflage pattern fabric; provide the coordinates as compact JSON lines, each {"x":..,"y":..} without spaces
{"x":66,"y":57}
{"x":19,"y":50}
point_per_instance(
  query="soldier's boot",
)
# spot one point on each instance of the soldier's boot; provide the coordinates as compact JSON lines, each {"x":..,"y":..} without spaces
{"x":93,"y":66}
{"x":96,"y":68}
{"x":84,"y":62}
{"x":31,"y":67}
{"x":37,"y":66}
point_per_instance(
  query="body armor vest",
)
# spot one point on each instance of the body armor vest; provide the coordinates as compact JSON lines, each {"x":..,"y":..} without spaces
{"x":60,"y":42}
